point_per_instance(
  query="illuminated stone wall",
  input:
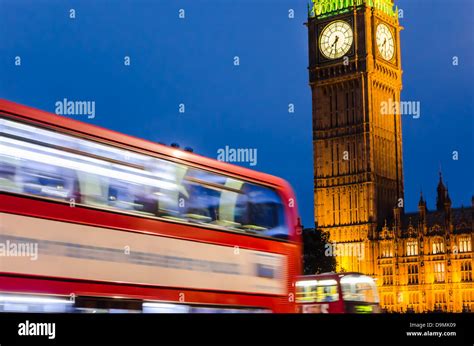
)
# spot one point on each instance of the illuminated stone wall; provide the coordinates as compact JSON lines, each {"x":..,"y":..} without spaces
{"x":358,"y":169}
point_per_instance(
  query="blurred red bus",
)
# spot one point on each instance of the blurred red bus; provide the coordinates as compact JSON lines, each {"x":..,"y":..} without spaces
{"x":337,"y":293}
{"x":123,"y":224}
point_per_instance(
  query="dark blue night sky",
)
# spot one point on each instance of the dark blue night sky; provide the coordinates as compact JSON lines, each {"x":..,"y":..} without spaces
{"x":190,"y":61}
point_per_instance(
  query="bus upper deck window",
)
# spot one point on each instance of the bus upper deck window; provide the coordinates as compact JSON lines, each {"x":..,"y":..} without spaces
{"x":204,"y":193}
{"x":8,"y":176}
{"x":264,"y":211}
{"x":48,"y":181}
{"x":64,"y":167}
{"x":359,"y":288}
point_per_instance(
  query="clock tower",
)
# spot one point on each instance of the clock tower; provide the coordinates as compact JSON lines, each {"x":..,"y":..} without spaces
{"x":356,"y":78}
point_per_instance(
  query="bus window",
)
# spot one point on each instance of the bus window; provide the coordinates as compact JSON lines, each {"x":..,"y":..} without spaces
{"x":234,"y":204}
{"x":359,"y":288}
{"x":263,"y":213}
{"x":48,"y":181}
{"x":8,"y":176}
{"x":306,"y":291}
{"x":204,"y":190}
{"x":92,"y":188}
{"x":319,"y":291}
{"x":171,"y":202}
{"x":327,"y":291}
{"x":121,"y":196}
{"x":229,"y":209}
{"x":44,"y":163}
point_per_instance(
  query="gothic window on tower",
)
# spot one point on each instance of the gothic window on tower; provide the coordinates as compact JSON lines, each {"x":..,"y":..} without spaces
{"x":466,"y":271}
{"x":353,"y":158}
{"x":332,"y":159}
{"x":388,"y":302}
{"x":356,"y":206}
{"x":387,"y":250}
{"x":465,"y":244}
{"x":439,"y":273}
{"x":438,"y":247}
{"x":440,"y":300}
{"x":354,"y":107}
{"x":347,"y":108}
{"x":467,"y":301}
{"x":413,"y":300}
{"x":387,"y":276}
{"x":351,"y":206}
{"x":330,"y":109}
{"x":412,"y":248}
{"x":413,"y":274}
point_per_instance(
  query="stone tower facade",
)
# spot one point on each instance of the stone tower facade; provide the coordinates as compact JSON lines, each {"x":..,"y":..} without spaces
{"x":356,"y":79}
{"x":421,"y":261}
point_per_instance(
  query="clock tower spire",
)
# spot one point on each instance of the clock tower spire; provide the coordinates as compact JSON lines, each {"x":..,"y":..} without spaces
{"x":356,"y":79}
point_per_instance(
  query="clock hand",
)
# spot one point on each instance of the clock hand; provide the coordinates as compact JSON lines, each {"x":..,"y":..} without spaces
{"x":383,"y":48}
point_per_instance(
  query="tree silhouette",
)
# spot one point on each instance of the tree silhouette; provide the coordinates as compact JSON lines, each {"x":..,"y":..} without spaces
{"x":315,"y":260}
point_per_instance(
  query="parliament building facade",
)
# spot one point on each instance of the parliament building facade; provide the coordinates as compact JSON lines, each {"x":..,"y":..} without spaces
{"x":422,"y":261}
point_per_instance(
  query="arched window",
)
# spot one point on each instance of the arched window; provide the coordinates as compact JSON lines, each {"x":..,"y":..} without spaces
{"x":387,"y":249}
{"x":465,"y":244}
{"x":439,"y":272}
{"x":412,"y":248}
{"x":437,"y":246}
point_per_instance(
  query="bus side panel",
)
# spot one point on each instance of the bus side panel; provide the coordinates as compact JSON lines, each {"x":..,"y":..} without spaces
{"x":60,"y":249}
{"x":278,"y":301}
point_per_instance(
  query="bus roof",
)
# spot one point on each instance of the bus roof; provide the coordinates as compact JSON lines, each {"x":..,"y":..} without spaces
{"x":135,"y":143}
{"x":327,"y":275}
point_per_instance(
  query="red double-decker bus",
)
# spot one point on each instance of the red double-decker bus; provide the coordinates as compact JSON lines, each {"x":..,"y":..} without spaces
{"x":96,"y":221}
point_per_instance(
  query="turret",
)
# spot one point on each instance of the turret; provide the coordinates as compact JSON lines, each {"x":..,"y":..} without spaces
{"x":442,"y":191}
{"x":447,"y":209}
{"x":422,"y":210}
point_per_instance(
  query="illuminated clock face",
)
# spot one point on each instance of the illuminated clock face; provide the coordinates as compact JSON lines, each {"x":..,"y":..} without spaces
{"x":385,"y":42}
{"x":336,"y":39}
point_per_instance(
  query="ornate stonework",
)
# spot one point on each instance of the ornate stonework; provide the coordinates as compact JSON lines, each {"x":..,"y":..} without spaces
{"x":358,"y":168}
